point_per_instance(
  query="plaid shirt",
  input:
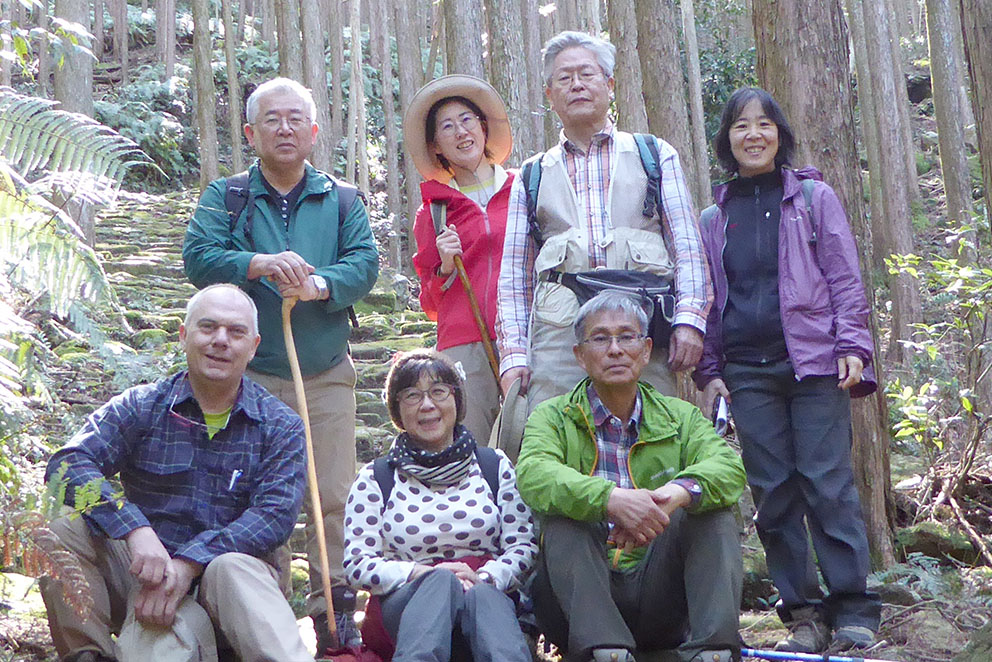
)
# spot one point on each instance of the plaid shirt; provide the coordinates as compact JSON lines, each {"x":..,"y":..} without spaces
{"x":239,"y":492}
{"x":589,"y":174}
{"x":613,"y":440}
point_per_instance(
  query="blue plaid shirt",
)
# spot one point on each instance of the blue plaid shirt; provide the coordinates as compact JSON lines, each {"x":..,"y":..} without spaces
{"x":613,"y":440}
{"x":239,"y":492}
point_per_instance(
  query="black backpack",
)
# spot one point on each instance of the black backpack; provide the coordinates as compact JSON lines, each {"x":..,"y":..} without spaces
{"x":488,"y":462}
{"x":238,"y":198}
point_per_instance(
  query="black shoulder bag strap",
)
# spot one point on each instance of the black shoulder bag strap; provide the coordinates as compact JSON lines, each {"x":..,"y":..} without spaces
{"x":487,"y":458}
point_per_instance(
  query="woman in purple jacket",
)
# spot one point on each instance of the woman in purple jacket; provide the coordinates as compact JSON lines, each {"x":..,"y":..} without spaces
{"x":787,"y":344}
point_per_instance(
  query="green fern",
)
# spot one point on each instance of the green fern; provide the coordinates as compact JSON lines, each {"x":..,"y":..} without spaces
{"x":35,"y":136}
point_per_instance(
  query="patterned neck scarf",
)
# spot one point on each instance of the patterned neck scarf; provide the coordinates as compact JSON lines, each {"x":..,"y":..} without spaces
{"x":447,"y":467}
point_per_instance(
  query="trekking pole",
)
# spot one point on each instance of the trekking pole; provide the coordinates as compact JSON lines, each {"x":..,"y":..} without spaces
{"x":802,"y":657}
{"x":301,"y":399}
{"x":473,"y":303}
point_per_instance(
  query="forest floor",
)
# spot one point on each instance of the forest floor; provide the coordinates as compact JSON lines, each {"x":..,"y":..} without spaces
{"x":932,"y":608}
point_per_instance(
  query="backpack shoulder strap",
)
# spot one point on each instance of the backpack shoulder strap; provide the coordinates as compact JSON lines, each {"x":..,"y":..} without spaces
{"x":489,"y":465}
{"x":808,"y":186}
{"x":237,"y":194}
{"x":531,"y":175}
{"x":647,"y":148}
{"x":439,"y":214}
{"x":346,"y":198}
{"x":383,"y":475}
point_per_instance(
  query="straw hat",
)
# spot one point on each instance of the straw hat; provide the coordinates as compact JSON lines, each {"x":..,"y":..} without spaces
{"x":498,"y":139}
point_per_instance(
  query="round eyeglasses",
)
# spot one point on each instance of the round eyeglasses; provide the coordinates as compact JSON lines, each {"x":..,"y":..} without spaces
{"x":438,"y":393}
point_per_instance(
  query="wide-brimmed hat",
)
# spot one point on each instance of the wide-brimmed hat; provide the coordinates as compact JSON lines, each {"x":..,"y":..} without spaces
{"x":498,"y":138}
{"x":508,"y":430}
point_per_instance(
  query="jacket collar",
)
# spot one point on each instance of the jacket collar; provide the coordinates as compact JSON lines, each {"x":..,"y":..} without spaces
{"x":791,"y":184}
{"x":181,"y":395}
{"x":657,"y":423}
{"x":316,"y":181}
{"x":432,"y":190}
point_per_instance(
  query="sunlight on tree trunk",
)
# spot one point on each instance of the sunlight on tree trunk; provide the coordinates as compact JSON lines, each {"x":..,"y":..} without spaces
{"x":98,"y":15}
{"x":118,"y":10}
{"x":74,"y":79}
{"x":233,"y":88}
{"x":807,"y":73}
{"x":533,"y":64}
{"x":976,"y":24}
{"x":379,"y":25}
{"x":44,"y":59}
{"x":165,"y":35}
{"x":631,"y":115}
{"x":206,"y":120}
{"x":357,"y":140}
{"x":411,"y":73}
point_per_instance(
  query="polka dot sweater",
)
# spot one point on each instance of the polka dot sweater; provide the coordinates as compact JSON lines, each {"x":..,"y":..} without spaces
{"x":427,"y":525}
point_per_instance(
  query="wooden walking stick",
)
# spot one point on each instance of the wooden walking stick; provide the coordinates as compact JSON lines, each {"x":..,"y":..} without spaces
{"x":301,"y":400}
{"x":438,"y":215}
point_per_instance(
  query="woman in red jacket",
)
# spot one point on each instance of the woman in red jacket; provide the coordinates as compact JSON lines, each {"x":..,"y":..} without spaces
{"x":457,"y":133}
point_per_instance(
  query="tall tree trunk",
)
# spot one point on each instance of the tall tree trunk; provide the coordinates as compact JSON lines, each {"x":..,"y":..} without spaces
{"x":74,"y":79}
{"x":357,"y":141}
{"x":906,"y":306}
{"x":591,"y":19}
{"x":567,"y":15}
{"x":290,"y":39}
{"x":869,"y":132}
{"x":334,"y":21}
{"x":945,"y":75}
{"x":44,"y":59}
{"x":119,"y":9}
{"x":411,"y":73}
{"x":206,"y":120}
{"x":380,"y":30}
{"x":6,"y":43}
{"x":463,"y":37}
{"x":239,"y":21}
{"x":531,"y":26}
{"x":807,"y":73}
{"x":631,"y":113}
{"x":233,"y":87}
{"x":552,"y":125}
{"x":268,"y":11}
{"x":508,"y":72}
{"x":98,"y":14}
{"x":315,"y":78}
{"x":902,"y":106}
{"x":976,"y":25}
{"x":165,"y":35}
{"x":663,"y":86}
{"x":701,"y":176}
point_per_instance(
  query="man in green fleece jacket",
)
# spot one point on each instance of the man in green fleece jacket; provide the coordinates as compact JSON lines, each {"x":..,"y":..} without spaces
{"x":293,"y":239}
{"x":640,"y":550}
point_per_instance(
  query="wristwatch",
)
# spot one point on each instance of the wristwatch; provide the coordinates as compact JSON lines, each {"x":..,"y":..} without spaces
{"x":486,"y":578}
{"x":321,"y":284}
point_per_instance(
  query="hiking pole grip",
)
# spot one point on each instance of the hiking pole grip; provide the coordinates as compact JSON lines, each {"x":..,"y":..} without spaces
{"x":473,"y":303}
{"x":318,"y":513}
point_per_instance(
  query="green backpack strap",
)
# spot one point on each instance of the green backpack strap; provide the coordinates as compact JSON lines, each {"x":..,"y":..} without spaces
{"x":530,"y":172}
{"x":647,"y":148}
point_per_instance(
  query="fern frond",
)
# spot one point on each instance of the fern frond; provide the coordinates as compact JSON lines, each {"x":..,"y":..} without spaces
{"x":36,"y":136}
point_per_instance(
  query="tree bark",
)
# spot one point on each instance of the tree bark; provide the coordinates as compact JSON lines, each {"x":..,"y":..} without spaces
{"x":509,"y":73}
{"x":268,"y":12}
{"x":567,"y":15}
{"x":807,"y":72}
{"x":591,"y":18}
{"x":290,"y":39}
{"x":902,"y":106}
{"x":98,"y":14}
{"x":701,"y":176}
{"x":315,"y":78}
{"x":463,"y":37}
{"x":233,"y":87}
{"x":165,"y":36}
{"x":897,"y":199}
{"x":357,"y":140}
{"x":411,"y":73}
{"x":334,"y":21}
{"x":976,"y":25}
{"x":945,"y":76}
{"x":531,"y":25}
{"x":869,"y":132}
{"x":44,"y":59}
{"x":119,"y":11}
{"x":206,"y":121}
{"x":74,"y":79}
{"x":631,"y":114}
{"x":663,"y":86}
{"x":379,"y":25}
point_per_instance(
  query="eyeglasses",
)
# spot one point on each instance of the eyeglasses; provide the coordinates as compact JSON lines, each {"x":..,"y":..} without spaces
{"x":585,"y":76}
{"x":438,"y":393}
{"x":467,"y":121}
{"x":295,"y":122}
{"x":602,"y":341}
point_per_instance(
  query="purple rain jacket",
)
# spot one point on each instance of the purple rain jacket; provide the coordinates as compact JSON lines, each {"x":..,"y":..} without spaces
{"x":821,"y":298}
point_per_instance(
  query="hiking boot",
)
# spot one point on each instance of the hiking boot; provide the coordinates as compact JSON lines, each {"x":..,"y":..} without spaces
{"x":348,"y":634}
{"x":852,"y":636}
{"x":724,"y":655}
{"x":612,"y":655}
{"x":807,"y":633}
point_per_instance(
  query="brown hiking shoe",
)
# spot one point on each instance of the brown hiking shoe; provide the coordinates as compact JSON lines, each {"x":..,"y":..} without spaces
{"x":807,"y":633}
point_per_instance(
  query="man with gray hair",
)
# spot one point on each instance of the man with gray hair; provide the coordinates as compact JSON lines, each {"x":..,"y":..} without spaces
{"x":286,"y":229}
{"x":639,"y":548}
{"x":212,"y":468}
{"x":596,"y":207}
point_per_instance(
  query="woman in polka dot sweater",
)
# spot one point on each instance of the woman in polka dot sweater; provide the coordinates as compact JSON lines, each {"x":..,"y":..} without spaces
{"x":443,"y":551}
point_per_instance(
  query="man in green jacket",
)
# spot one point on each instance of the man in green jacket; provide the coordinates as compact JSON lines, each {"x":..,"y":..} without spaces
{"x":639,"y":548}
{"x":292,"y":241}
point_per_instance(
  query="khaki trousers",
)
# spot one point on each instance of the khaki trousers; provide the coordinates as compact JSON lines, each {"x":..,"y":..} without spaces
{"x":238,"y":602}
{"x":481,"y":391}
{"x":331,"y":405}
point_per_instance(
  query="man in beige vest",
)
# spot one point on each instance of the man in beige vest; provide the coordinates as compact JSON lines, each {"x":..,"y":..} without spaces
{"x":590,"y":212}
